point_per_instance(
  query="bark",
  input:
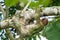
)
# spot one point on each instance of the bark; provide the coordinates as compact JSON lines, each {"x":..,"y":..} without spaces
{"x":50,"y":10}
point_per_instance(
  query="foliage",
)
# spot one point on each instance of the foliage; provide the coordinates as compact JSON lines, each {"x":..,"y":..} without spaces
{"x":55,"y":3}
{"x":40,"y":3}
{"x":11,"y":2}
{"x":53,"y":30}
{"x":35,"y":3}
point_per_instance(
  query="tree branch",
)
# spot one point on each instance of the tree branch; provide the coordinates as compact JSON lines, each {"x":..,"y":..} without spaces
{"x":50,"y":11}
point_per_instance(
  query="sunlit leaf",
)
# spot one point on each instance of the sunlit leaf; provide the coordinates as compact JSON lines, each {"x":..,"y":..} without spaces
{"x":24,"y":1}
{"x":46,"y":2}
{"x":11,"y":2}
{"x":38,"y":3}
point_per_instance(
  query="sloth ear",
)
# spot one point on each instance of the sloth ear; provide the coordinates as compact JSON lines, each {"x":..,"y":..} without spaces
{"x":45,"y":21}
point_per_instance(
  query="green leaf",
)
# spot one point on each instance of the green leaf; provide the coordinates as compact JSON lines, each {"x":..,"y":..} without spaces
{"x":24,"y":1}
{"x":53,"y":30}
{"x":34,"y":37}
{"x":34,"y":4}
{"x":55,"y":3}
{"x":46,"y":2}
{"x":38,"y":3}
{"x":11,"y":2}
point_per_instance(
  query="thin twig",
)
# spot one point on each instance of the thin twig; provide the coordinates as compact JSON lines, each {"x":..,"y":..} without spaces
{"x":27,"y":5}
